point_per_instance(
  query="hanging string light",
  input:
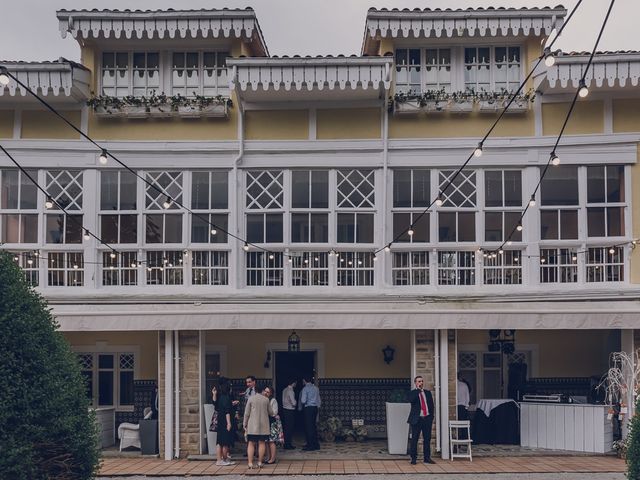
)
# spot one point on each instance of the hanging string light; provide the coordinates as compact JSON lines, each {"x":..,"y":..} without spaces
{"x":104,"y":157}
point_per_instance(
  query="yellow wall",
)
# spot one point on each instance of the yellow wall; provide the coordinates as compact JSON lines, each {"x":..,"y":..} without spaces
{"x":277,"y":125}
{"x":6,"y":123}
{"x":348,"y":123}
{"x":148,"y":342}
{"x":562,"y":353}
{"x":626,"y":115}
{"x":44,"y":124}
{"x":634,"y":276}
{"x":348,"y":353}
{"x":587,"y":117}
{"x":459,"y":125}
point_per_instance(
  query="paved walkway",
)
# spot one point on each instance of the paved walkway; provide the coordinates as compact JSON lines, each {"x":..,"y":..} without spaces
{"x":113,"y":467}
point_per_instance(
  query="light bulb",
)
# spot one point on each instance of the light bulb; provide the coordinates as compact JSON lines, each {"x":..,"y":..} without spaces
{"x":479,"y":250}
{"x":583,"y":91}
{"x":332,"y":253}
{"x":48,"y":202}
{"x":4,"y":78}
{"x":164,"y":260}
{"x":501,"y":251}
{"x":290,"y":260}
{"x":149,"y":269}
{"x":75,"y":266}
{"x":167,"y":203}
{"x":16,"y":258}
{"x":245,"y":247}
{"x":550,"y":60}
{"x":439,"y":200}
{"x":213,"y":231}
{"x":103,"y":158}
{"x":612,"y":251}
{"x":112,"y":255}
{"x":542,"y":260}
{"x":133,"y":264}
{"x":30,"y":261}
{"x":532,"y":202}
{"x":86,"y":234}
{"x":410,"y":232}
{"x":519,"y":227}
{"x":555,"y":159}
{"x":478,"y":151}
{"x":375,"y":258}
{"x":574,"y":258}
{"x":387,"y":248}
{"x":509,"y":242}
{"x":271,"y":257}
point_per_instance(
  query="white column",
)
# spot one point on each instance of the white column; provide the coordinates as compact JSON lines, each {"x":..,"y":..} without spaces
{"x":627,"y":346}
{"x":444,"y":392}
{"x":168,"y":395}
{"x":436,"y":386}
{"x":176,"y":387}
{"x":202,"y":381}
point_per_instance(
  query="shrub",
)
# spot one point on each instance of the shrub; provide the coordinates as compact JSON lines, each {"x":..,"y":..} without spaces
{"x":45,"y":430}
{"x":633,"y":445}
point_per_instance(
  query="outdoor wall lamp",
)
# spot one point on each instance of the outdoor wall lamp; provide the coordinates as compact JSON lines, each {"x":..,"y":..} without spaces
{"x":388,"y":353}
{"x":293,"y":342}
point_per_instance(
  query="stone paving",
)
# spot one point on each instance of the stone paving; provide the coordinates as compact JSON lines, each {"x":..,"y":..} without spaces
{"x":446,"y":476}
{"x":114,"y":467}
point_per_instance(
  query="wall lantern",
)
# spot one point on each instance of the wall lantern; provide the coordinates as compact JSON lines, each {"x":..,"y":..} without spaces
{"x":293,"y":343}
{"x":388,"y":353}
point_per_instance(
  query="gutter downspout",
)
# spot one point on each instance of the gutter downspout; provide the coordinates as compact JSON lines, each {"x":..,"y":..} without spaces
{"x":176,"y":373}
{"x":436,"y":387}
{"x":385,"y":164}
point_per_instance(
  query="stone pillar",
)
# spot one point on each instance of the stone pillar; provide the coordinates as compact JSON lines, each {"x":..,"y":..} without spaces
{"x":189,"y":386}
{"x":190,"y":404}
{"x":425,"y":366}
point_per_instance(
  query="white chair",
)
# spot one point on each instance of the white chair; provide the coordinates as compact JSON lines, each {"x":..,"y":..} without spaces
{"x":129,"y":433}
{"x":457,"y":442}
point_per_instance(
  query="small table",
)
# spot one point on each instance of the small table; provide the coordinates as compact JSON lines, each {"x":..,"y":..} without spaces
{"x":497,"y":421}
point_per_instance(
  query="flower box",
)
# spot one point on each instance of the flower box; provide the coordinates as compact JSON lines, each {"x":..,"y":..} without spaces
{"x":461,"y":107}
{"x":496,"y":106}
{"x":185,"y":111}
{"x":436,"y":106}
{"x":410,"y":107}
{"x":192,"y":111}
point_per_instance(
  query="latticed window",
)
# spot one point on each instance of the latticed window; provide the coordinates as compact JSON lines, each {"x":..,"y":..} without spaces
{"x":210,"y":200}
{"x":503,"y":202}
{"x":265,"y":269}
{"x":163,"y":227}
{"x":265,"y":201}
{"x":65,"y":269}
{"x":355,"y":203}
{"x":559,"y":203}
{"x":199,"y":73}
{"x":457,"y":216}
{"x":209,"y":268}
{"x":605,"y":201}
{"x":355,"y":269}
{"x":558,"y":265}
{"x":109,"y":378}
{"x":130,"y":73}
{"x":504,"y":268}
{"x":411,"y":196}
{"x":456,"y":268}
{"x":65,"y":187}
{"x":119,"y":268}
{"x":165,"y":267}
{"x":605,"y":264}
{"x":18,"y":207}
{"x":29,"y":262}
{"x":410,"y":268}
{"x":310,"y":269}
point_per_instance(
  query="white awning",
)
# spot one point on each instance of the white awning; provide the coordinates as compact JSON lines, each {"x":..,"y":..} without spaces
{"x":349,"y":315}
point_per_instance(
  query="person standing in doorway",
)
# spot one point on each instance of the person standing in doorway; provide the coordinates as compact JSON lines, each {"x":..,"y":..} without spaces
{"x":310,"y":403}
{"x":462,"y":397}
{"x":289,"y":413}
{"x":420,"y":419}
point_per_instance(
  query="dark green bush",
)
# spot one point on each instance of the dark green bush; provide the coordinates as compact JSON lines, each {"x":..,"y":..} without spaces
{"x":45,"y":430}
{"x":633,"y":445}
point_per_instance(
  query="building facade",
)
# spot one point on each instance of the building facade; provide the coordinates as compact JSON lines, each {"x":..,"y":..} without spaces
{"x":247,"y":196}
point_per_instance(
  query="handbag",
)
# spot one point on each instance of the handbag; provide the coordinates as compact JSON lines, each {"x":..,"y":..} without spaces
{"x":214,"y":422}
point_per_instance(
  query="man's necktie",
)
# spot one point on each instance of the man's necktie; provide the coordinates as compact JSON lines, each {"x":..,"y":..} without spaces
{"x":423,"y":404}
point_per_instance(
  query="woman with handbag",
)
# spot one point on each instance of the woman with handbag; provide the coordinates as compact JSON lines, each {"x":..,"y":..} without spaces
{"x":276,"y":435}
{"x":222,"y":414}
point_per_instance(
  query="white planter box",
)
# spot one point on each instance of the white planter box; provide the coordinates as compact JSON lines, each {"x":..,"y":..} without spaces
{"x":497,"y":106}
{"x":461,"y":107}
{"x":208,"y":111}
{"x":220,"y":111}
{"x":433,"y":106}
{"x":398,"y":428}
{"x":411,"y":107}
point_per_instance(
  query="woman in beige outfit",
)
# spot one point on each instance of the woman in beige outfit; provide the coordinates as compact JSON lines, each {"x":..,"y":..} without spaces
{"x":256,"y":426}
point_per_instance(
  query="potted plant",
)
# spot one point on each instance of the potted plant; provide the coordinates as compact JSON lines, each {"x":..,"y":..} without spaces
{"x":397,"y":427}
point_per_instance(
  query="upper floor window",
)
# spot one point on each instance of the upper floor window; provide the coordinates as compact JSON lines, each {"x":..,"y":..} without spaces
{"x":355,"y":203}
{"x":18,"y":193}
{"x":210,"y":200}
{"x":118,"y":214}
{"x":309,"y":206}
{"x":490,"y":69}
{"x":265,"y":202}
{"x":199,"y":73}
{"x":559,"y":203}
{"x":457,"y":217}
{"x":503,"y":201}
{"x":605,"y":201}
{"x":411,"y":195}
{"x":130,"y":73}
{"x":65,"y":187}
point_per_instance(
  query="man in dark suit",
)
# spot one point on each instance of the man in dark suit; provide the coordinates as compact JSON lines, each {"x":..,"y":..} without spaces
{"x":420,"y":419}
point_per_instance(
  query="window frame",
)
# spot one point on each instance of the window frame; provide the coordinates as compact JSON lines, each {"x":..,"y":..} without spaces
{"x":131,"y":71}
{"x":220,"y":89}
